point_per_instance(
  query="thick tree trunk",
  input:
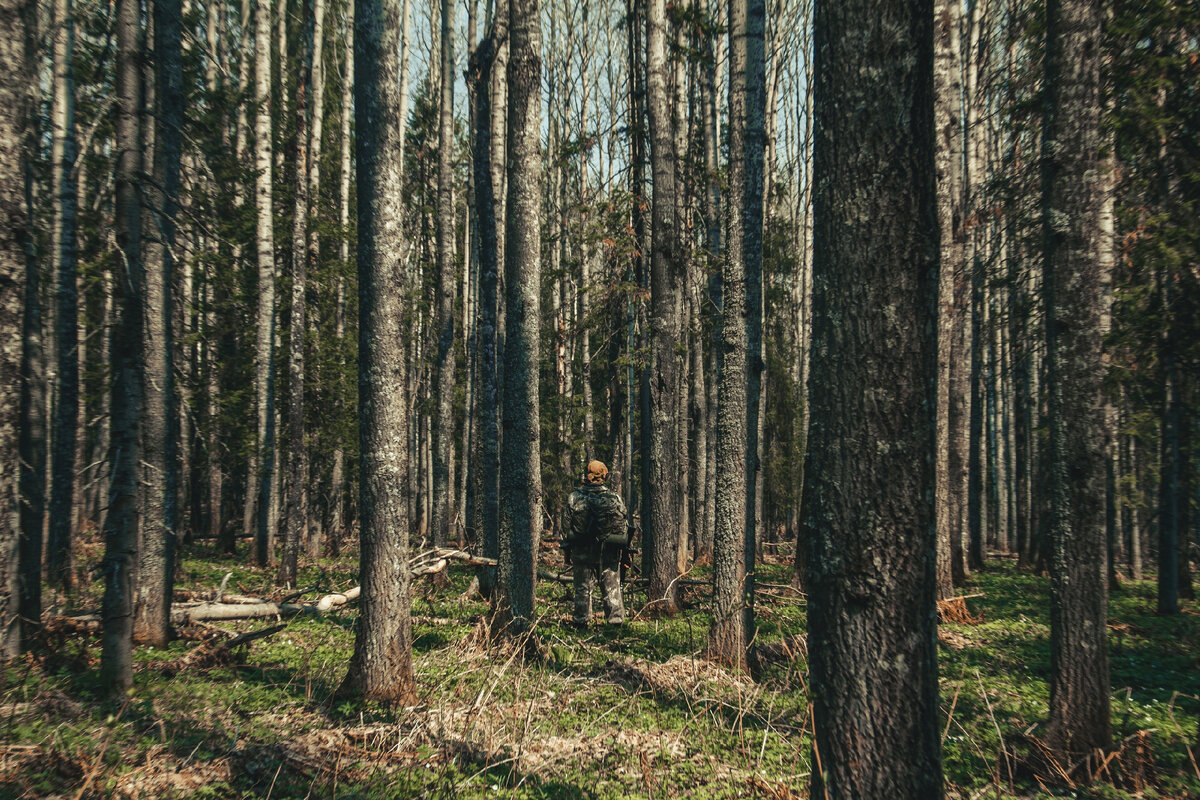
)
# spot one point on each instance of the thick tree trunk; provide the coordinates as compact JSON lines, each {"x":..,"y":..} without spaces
{"x":260,"y":491}
{"x":160,"y":467}
{"x":443,"y":450}
{"x":663,"y":501}
{"x":121,"y":519}
{"x":381,"y":667}
{"x":1075,"y":303}
{"x":872,"y":543}
{"x":66,"y":346}
{"x":521,"y":478}
{"x":17,"y":597}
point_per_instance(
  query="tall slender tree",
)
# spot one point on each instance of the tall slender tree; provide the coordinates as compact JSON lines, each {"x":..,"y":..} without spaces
{"x":159,"y":480}
{"x":15,"y":77}
{"x":734,"y":532}
{"x":663,"y":503}
{"x":1075,"y":305}
{"x":66,"y":328}
{"x":444,"y":431}
{"x":121,"y":519}
{"x":520,"y":450}
{"x":381,"y":667}
{"x":871,"y":541}
{"x":261,"y":488}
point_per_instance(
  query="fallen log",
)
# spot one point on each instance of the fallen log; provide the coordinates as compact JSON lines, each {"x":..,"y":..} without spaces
{"x":211,"y":653}
{"x":211,"y":611}
{"x":331,"y":601}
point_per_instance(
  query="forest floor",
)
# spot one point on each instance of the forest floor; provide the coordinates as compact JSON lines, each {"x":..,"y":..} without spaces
{"x":609,"y":713}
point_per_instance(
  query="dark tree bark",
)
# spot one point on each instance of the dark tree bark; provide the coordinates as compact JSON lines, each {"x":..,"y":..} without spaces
{"x":443,"y":451}
{"x":296,"y":502}
{"x":17,"y":213}
{"x":66,"y":331}
{"x":17,"y":22}
{"x":521,"y":477}
{"x":1075,"y":304}
{"x":381,"y":667}
{"x":737,"y":408}
{"x":121,"y":519}
{"x":872,"y":541}
{"x":488,"y":65}
{"x":159,"y":446}
{"x":662,"y":505}
{"x":1170,"y":558}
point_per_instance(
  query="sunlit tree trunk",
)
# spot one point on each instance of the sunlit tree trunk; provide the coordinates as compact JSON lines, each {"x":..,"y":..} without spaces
{"x":521,"y":477}
{"x":159,"y":445}
{"x":261,"y":484}
{"x":381,"y":667}
{"x":662,"y":506}
{"x":66,"y":348}
{"x":872,"y":543}
{"x":337,"y":514}
{"x":1075,"y":303}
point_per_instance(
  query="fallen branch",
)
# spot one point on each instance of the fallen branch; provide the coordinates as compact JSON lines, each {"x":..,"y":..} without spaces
{"x":212,"y":653}
{"x":210,"y":611}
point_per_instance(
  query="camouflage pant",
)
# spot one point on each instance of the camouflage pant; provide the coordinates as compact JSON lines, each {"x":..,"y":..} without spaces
{"x":610,"y":584}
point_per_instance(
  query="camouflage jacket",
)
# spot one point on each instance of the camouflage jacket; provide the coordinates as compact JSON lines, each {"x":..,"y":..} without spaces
{"x":608,"y":511}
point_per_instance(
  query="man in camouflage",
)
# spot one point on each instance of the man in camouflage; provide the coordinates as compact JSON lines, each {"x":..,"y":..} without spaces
{"x":594,"y":538}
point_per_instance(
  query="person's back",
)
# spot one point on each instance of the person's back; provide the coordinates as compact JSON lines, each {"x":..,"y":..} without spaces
{"x":593,"y":541}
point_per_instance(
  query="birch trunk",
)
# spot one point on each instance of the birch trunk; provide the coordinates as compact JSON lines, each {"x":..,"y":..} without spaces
{"x":260,"y":490}
{"x":337,"y":514}
{"x":66,"y":335}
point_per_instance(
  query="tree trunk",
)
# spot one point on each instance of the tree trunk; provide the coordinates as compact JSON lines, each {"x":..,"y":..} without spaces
{"x":66,"y":347}
{"x":261,"y":484}
{"x":521,"y":477}
{"x":381,"y":667}
{"x":337,"y":513}
{"x":296,"y":492}
{"x":17,"y":59}
{"x":733,"y":531}
{"x":663,"y":501}
{"x":314,"y":542}
{"x":1075,"y":302}
{"x":121,"y":519}
{"x":17,"y":92}
{"x":871,"y":542}
{"x":443,"y":450}
{"x":159,"y":464}
{"x":487,"y":65}
{"x":948,"y":133}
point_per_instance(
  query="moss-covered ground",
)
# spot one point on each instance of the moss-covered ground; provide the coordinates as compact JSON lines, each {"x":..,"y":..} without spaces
{"x":608,"y":713}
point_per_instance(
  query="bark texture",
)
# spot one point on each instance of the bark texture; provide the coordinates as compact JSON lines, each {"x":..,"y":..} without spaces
{"x":664,"y":501}
{"x":443,"y":450}
{"x":381,"y":667}
{"x":1075,"y":304}
{"x":14,"y":234}
{"x":121,"y":520}
{"x":868,"y":518}
{"x":521,"y":477}
{"x":260,"y":491}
